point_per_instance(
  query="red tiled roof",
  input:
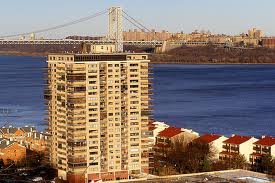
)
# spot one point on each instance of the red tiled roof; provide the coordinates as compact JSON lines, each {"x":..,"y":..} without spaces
{"x":150,"y":123}
{"x":266,"y":141}
{"x":207,"y":138}
{"x":170,"y":132}
{"x":151,"y":128}
{"x":237,"y":139}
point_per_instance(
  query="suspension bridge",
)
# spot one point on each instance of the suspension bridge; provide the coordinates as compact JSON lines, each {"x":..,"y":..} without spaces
{"x":115,"y":32}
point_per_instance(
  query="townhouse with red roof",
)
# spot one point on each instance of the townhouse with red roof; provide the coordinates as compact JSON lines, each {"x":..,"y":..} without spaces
{"x":170,"y":134}
{"x":155,"y":127}
{"x":237,"y":145}
{"x":215,"y":142}
{"x":164,"y":140}
{"x":263,"y":147}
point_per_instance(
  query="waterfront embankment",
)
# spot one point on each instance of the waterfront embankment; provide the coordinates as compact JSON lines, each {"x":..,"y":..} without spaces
{"x":181,"y":55}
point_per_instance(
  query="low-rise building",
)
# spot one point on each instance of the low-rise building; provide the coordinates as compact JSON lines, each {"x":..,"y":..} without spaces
{"x":13,"y":134}
{"x":171,"y":134}
{"x":237,"y":145}
{"x":27,"y":136}
{"x":36,"y":142}
{"x":215,"y":142}
{"x":18,"y":134}
{"x":156,"y":127}
{"x":263,"y":147}
{"x":268,"y":42}
{"x":10,"y":150}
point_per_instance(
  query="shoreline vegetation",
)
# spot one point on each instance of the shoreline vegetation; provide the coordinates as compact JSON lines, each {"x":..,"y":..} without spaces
{"x":216,"y":55}
{"x":184,"y":55}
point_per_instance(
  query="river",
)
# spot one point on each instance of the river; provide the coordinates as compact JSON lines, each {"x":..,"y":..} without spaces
{"x":223,"y":99}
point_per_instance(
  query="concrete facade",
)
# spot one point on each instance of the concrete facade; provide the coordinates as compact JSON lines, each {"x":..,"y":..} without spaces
{"x":215,"y":142}
{"x":98,"y":115}
{"x":263,"y":147}
{"x":238,"y":145}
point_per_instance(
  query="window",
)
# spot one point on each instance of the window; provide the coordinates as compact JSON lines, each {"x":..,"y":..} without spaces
{"x":94,"y":163}
{"x":92,"y":76}
{"x":133,"y":65}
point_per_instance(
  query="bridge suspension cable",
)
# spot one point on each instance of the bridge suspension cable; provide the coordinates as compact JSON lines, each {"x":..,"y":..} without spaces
{"x":59,"y":26}
{"x":133,"y":23}
{"x":136,"y":23}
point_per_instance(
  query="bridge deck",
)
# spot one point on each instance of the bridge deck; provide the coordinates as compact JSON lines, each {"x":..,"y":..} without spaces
{"x":70,"y":41}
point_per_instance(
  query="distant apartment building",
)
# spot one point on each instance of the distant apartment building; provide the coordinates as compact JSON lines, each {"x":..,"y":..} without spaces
{"x":263,"y":147}
{"x":135,"y":35}
{"x":98,"y":110}
{"x":255,"y":33}
{"x":11,"y":151}
{"x":268,"y":42}
{"x":237,"y":145}
{"x":215,"y":142}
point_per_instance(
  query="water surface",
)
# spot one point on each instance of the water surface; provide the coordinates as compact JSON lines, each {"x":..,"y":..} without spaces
{"x":221,"y":99}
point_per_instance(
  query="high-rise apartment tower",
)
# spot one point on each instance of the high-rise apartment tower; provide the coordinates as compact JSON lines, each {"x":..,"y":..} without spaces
{"x":98,"y":112}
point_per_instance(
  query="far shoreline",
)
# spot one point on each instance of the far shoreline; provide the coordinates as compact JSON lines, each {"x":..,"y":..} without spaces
{"x":39,"y":54}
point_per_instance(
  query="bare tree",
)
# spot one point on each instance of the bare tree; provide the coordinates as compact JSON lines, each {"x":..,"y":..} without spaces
{"x":180,"y":157}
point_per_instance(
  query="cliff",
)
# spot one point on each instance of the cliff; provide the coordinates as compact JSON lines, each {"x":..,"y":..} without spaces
{"x":216,"y":55}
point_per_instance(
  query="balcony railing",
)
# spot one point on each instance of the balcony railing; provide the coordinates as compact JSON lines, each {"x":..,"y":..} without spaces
{"x":257,"y":148}
{"x":235,"y":148}
{"x":226,"y":147}
{"x":76,"y":159}
{"x":266,"y":150}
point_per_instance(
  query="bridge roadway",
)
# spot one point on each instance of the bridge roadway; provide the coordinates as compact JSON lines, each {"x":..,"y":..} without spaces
{"x":72,"y":42}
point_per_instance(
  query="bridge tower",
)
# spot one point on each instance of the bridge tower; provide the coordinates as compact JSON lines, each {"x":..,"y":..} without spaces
{"x":115,"y":27}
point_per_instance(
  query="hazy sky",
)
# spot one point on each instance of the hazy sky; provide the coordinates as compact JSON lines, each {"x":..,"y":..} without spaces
{"x":218,"y":16}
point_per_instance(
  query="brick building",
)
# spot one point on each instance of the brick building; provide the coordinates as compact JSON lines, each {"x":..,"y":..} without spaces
{"x":10,"y":150}
{"x":26,"y":136}
{"x":146,"y":36}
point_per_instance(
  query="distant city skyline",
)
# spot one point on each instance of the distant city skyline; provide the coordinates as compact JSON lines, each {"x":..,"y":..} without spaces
{"x":218,"y":16}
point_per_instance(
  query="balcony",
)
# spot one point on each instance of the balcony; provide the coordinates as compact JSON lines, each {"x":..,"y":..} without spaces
{"x":266,"y":150}
{"x":76,"y":101}
{"x":77,"y":159}
{"x":235,"y":149}
{"x":77,"y":165}
{"x":146,"y":113}
{"x":227,"y":147}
